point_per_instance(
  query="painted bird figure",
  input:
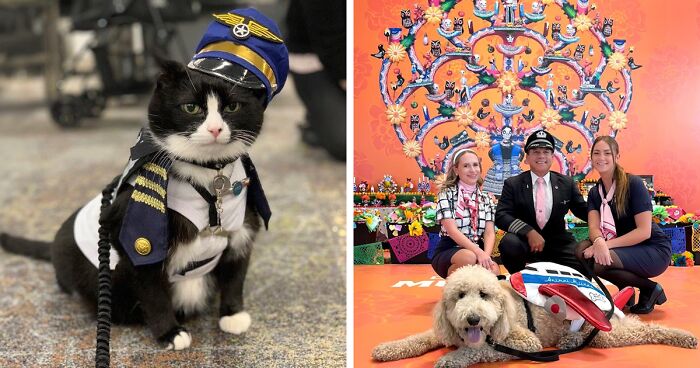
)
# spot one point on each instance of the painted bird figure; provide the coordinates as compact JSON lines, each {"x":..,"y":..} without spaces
{"x":481,"y":114}
{"x":444,"y":144}
{"x":570,"y":147}
{"x":632,"y":65}
{"x":380,"y":53}
{"x":610,"y":87}
{"x":530,"y":115}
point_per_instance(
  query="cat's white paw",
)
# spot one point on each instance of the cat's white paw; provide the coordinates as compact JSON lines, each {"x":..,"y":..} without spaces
{"x":181,"y":341}
{"x":235,"y":324}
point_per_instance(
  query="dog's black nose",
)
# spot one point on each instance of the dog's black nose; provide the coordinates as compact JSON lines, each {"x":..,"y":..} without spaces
{"x":473,"y":320}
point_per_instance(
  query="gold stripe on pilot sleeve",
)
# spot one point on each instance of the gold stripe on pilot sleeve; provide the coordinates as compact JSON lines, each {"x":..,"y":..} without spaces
{"x":144,"y":182}
{"x":156,"y":170}
{"x":148,"y":200}
{"x":246,"y":54}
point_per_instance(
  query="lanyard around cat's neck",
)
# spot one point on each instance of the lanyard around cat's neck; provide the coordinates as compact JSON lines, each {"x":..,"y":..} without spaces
{"x":222,"y":186}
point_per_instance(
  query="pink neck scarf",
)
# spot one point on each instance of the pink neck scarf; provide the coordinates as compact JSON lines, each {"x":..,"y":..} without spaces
{"x":466,"y":202}
{"x":607,"y":222}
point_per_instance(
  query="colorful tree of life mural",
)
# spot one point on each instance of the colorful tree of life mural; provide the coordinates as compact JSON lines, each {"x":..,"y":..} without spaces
{"x":487,"y":80}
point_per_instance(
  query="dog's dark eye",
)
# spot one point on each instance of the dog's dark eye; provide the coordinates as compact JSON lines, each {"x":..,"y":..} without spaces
{"x":483,"y":295}
{"x":461,"y":295}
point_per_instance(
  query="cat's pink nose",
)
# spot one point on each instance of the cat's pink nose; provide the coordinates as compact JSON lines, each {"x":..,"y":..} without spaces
{"x":215,"y":131}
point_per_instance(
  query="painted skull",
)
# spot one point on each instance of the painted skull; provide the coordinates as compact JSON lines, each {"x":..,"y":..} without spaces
{"x":506,"y":133}
{"x":446,"y":24}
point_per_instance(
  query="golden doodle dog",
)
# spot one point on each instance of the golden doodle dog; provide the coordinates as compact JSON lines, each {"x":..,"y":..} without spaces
{"x":475,"y":304}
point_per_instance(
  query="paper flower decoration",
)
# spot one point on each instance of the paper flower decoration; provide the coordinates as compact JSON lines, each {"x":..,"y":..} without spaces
{"x":380,"y":196}
{"x":433,"y":15}
{"x":396,"y":114}
{"x":582,"y":22}
{"x":440,"y":180}
{"x":549,"y":118}
{"x":618,"y":120}
{"x":617,"y":61}
{"x":464,"y":116}
{"x":415,"y":229}
{"x":396,"y":52}
{"x":429,"y":215}
{"x":411,"y":149}
{"x":508,"y":82}
{"x":482,"y":140}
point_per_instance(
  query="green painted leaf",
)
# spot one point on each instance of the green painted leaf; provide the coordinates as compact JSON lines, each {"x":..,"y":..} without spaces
{"x":569,"y":10}
{"x":530,"y":81}
{"x":445,"y":110}
{"x":448,"y":5}
{"x":407,"y":41}
{"x":606,"y":49}
{"x":486,"y":78}
{"x":566,"y":114}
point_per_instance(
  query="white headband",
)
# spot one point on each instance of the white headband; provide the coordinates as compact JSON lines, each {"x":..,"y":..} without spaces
{"x":459,"y":152}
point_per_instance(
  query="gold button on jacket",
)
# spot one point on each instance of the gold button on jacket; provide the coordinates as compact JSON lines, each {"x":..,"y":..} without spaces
{"x":142,"y":246}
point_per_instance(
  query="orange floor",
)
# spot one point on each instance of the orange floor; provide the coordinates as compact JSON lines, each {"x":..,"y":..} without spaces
{"x":394,"y":301}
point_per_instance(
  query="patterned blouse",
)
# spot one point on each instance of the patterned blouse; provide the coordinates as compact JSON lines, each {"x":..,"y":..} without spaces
{"x":448,"y":208}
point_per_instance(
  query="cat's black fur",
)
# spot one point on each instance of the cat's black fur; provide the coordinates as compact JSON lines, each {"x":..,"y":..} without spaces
{"x":143,"y":294}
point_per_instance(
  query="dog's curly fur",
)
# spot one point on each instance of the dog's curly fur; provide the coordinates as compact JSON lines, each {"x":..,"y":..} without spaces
{"x":472,"y":293}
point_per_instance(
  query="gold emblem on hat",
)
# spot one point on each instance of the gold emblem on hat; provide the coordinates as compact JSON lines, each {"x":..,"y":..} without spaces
{"x":253,"y":27}
{"x":142,"y":246}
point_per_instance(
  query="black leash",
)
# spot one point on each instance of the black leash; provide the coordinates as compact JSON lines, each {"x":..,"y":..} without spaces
{"x":104,"y":283}
{"x":553,"y":355}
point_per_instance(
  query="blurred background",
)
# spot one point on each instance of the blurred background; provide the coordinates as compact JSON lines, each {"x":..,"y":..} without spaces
{"x":75,"y":81}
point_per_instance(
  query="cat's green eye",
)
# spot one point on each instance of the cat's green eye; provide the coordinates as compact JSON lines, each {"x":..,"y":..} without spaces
{"x":191,"y":109}
{"x":232,"y":107}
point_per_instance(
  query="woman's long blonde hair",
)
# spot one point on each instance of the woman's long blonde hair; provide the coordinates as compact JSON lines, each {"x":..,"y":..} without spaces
{"x":452,"y":178}
{"x":622,"y":185}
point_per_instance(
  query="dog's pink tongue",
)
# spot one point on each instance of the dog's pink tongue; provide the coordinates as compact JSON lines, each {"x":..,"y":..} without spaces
{"x":473,"y":334}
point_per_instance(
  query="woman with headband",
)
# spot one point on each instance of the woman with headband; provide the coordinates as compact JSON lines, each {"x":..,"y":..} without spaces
{"x":466,"y":215}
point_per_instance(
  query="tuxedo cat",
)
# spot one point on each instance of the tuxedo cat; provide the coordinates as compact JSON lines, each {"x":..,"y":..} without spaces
{"x":196,"y":121}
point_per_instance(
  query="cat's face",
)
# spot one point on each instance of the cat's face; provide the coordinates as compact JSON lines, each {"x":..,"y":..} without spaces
{"x":201,"y":118}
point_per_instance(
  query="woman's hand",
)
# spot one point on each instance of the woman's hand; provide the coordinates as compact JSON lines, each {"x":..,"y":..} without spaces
{"x":484,"y":259}
{"x":601,"y":253}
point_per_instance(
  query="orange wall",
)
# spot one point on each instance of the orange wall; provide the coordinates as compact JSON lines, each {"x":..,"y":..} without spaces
{"x":663,"y":130}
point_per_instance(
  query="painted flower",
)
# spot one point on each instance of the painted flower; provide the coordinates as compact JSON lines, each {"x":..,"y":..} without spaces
{"x":439,"y":180}
{"x":415,"y":229}
{"x":396,"y":52}
{"x":433,"y":15}
{"x":618,"y":120}
{"x":396,"y":114}
{"x":617,"y":61}
{"x":582,"y":22}
{"x":482,"y":140}
{"x":411,"y":149}
{"x":464,"y":116}
{"x":549,"y":118}
{"x":508,"y":82}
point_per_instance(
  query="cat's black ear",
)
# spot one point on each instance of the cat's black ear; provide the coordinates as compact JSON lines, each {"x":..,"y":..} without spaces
{"x":171,"y":71}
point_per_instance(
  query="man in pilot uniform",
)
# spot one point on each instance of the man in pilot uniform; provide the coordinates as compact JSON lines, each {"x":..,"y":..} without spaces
{"x":532,"y":207}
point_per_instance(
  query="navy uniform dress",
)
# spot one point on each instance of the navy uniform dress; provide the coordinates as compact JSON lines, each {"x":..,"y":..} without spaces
{"x":649,"y":258}
{"x":447,"y":209}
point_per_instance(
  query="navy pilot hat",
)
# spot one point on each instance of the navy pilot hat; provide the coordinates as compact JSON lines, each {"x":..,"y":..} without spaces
{"x":539,"y":139}
{"x":244,"y":47}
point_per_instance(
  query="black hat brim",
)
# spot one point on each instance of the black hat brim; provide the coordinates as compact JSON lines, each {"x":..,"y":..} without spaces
{"x":228,"y":71}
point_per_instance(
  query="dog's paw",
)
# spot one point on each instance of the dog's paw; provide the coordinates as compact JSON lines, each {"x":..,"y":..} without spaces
{"x":570,"y":340}
{"x":235,"y":324}
{"x":446,"y":363}
{"x":177,"y":339}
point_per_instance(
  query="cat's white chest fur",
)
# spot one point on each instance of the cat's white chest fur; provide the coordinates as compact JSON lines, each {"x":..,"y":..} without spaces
{"x":190,"y":292}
